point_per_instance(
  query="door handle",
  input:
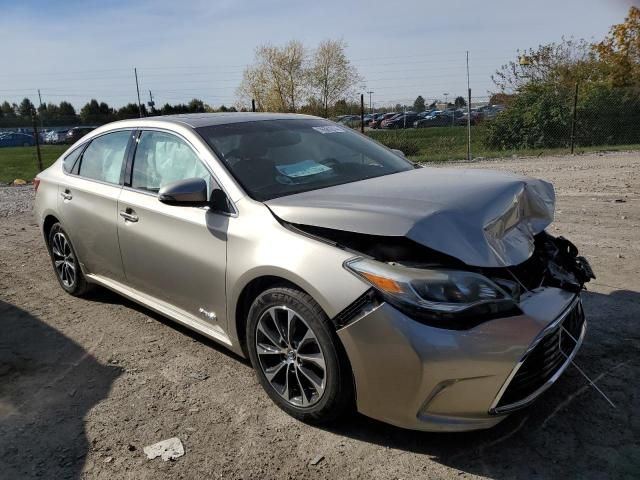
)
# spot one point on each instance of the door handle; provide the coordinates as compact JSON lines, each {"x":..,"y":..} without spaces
{"x":129,"y":215}
{"x":66,"y":194}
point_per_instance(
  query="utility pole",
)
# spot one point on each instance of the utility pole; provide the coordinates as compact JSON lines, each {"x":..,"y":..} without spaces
{"x":152,"y":104}
{"x":135,"y":72}
{"x":370,"y":103}
{"x":40,"y":101}
{"x":468,"y":112}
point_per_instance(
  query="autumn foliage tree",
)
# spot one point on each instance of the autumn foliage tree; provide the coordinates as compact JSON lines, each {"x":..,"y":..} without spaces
{"x":285,"y":78}
{"x":619,"y":52}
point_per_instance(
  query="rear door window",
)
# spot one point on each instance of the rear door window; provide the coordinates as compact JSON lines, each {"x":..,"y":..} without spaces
{"x":104,"y":157}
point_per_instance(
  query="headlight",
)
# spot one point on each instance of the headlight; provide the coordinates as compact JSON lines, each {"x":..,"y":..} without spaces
{"x":441,"y":295}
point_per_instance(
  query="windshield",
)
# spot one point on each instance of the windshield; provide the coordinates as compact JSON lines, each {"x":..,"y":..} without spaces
{"x":273,"y":158}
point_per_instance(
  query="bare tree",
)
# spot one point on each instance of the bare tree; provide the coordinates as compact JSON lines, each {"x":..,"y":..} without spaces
{"x":278,"y":79}
{"x":332,"y":77}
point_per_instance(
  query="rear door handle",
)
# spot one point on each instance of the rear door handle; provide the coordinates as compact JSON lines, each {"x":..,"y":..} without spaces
{"x":66,"y":194}
{"x":129,"y":215}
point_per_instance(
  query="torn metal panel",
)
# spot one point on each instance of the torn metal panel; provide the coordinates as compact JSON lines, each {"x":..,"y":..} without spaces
{"x":481,"y":217}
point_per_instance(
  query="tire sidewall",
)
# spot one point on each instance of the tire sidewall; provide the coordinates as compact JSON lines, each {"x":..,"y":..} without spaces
{"x":335,"y":370}
{"x":75,"y":287}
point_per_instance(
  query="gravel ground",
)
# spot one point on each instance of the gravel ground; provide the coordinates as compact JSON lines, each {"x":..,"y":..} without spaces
{"x":15,"y":200}
{"x":85,"y":384}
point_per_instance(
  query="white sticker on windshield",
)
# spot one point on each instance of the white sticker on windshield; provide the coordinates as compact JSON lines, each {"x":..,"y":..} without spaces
{"x":328,"y":129}
{"x":302,"y":169}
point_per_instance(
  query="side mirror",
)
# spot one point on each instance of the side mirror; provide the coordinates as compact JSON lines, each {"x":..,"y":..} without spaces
{"x":398,"y":152}
{"x":191,"y":192}
{"x":219,"y":201}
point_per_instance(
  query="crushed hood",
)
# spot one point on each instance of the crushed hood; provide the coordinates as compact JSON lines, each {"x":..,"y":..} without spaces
{"x":484,"y":218}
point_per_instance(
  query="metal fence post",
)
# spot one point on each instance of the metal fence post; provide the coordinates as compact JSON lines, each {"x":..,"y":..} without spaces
{"x":37,"y":139}
{"x":469,"y":126}
{"x":362,"y":112}
{"x":573,"y":121}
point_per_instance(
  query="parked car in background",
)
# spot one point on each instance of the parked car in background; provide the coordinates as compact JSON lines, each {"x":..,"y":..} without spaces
{"x":389,"y":119}
{"x":15,"y":139}
{"x":428,"y":298}
{"x":438,"y":119}
{"x":76,"y":133}
{"x":404,"y":120}
{"x":377,"y":122}
{"x":56,"y":136}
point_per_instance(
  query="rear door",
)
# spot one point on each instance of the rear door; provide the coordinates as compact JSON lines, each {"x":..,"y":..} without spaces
{"x":175,"y":254}
{"x":88,"y":203}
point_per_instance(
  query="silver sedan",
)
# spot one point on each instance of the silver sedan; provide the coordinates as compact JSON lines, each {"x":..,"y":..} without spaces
{"x":427,"y":298}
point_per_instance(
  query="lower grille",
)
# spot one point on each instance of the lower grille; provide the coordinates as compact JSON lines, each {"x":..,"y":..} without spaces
{"x":547,"y":357}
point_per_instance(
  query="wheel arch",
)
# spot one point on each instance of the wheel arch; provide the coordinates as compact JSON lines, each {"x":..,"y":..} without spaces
{"x":49,"y":221}
{"x":248,"y":294}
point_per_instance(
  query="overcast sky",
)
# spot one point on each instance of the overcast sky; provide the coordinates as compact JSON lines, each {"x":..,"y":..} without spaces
{"x":77,"y":50}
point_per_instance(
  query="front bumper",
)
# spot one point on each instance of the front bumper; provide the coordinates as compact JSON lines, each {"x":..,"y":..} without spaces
{"x":425,"y":378}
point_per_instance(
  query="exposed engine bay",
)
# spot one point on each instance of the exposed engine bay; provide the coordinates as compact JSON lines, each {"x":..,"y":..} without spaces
{"x":554,"y":262}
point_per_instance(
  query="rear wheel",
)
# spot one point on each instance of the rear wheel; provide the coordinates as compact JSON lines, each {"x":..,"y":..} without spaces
{"x":297,"y":356}
{"x":65,"y":262}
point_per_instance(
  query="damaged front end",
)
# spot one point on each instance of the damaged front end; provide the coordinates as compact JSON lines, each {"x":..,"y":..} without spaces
{"x":554,"y":262}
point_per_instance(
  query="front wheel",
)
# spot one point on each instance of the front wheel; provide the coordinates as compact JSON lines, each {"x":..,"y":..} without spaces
{"x":65,"y":262}
{"x":297,"y":356}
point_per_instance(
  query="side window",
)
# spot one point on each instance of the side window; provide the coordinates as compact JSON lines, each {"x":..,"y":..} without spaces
{"x":103,"y":158}
{"x":162,"y":158}
{"x":70,"y":162}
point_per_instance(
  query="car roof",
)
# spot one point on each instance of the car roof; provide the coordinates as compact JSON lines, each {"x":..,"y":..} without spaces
{"x":195,"y":120}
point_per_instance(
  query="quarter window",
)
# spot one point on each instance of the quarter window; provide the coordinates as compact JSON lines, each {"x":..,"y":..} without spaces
{"x":70,"y":162}
{"x":104,"y":157}
{"x":162,"y":158}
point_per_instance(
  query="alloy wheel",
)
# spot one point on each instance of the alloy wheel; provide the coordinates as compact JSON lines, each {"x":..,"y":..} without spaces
{"x":63,"y":259}
{"x":290,"y":356}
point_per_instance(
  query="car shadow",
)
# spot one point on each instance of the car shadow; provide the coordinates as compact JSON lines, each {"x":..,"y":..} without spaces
{"x":570,"y":431}
{"x":48,"y":383}
{"x":103,"y":295}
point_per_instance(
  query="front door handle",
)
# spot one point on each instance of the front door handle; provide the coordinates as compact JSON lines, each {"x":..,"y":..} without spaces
{"x":66,"y":194}
{"x":129,"y":215}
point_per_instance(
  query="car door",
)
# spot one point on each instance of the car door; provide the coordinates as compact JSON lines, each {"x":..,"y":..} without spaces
{"x":175,"y":254}
{"x":88,"y":203}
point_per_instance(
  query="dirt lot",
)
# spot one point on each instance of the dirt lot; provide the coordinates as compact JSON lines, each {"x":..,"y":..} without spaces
{"x":85,"y":384}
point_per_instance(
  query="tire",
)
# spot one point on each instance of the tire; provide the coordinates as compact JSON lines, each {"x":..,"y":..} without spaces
{"x":68,"y":273}
{"x":307,"y":398}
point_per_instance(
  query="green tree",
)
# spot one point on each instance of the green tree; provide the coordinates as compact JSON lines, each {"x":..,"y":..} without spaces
{"x":196,"y":106}
{"x":96,"y":113}
{"x":8,"y":109}
{"x":562,"y":63}
{"x":130,"y":110}
{"x":67,"y":110}
{"x":25,"y":108}
{"x":419,"y":104}
{"x":459,"y":102}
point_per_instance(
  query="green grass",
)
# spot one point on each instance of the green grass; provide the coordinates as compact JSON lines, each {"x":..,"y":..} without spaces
{"x":21,"y":162}
{"x":439,"y":144}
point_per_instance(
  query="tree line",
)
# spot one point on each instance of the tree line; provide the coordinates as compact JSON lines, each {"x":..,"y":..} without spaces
{"x":92,"y":113}
{"x":597,"y":82}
